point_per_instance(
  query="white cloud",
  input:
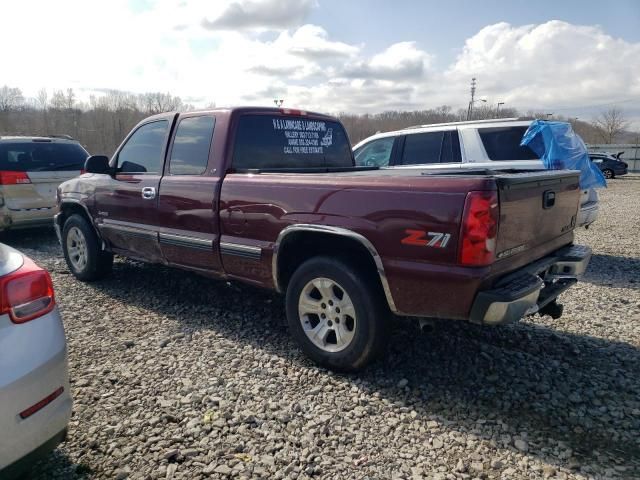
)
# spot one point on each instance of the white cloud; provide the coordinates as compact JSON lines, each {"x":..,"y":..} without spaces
{"x":551,"y":64}
{"x":312,"y":42}
{"x":401,"y":61}
{"x":260,"y":14}
{"x":105,"y":45}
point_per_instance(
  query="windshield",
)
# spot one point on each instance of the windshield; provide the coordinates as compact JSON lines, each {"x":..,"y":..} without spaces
{"x":41,"y":156}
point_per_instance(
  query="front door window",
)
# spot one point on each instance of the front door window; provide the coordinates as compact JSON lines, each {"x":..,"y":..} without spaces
{"x":143,"y":151}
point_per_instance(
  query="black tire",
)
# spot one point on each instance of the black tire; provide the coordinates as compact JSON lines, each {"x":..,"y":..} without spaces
{"x":98,"y":263}
{"x":608,"y":173}
{"x":370,"y":326}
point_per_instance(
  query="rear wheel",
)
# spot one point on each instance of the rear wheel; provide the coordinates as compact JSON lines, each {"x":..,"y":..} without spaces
{"x":608,"y":173}
{"x":81,"y":247}
{"x":336,"y":314}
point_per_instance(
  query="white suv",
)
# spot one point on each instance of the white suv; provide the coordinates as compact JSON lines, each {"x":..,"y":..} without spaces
{"x":481,"y":144}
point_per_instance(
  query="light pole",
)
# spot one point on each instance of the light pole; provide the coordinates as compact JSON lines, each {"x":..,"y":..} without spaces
{"x":470,"y":114}
{"x":549,"y":115}
{"x":278,"y":102}
{"x":573,"y":121}
{"x":498,"y":108}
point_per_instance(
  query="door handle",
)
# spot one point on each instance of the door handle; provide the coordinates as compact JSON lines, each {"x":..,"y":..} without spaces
{"x":148,"y":193}
{"x":548,"y":199}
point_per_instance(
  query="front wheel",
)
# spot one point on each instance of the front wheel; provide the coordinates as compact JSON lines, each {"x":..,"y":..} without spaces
{"x":336,"y":314}
{"x":81,"y":248}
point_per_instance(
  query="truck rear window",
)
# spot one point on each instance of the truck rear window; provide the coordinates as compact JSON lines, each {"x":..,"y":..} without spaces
{"x":274,"y":141}
{"x":41,"y":156}
{"x":503,"y":143}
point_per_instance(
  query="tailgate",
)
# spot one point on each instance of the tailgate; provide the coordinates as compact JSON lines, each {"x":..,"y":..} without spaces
{"x":535,"y":208}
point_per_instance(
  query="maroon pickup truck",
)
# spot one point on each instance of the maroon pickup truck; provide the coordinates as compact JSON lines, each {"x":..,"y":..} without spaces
{"x":271,"y":197}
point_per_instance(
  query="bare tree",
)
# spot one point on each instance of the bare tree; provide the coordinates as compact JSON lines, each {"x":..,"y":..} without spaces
{"x":10,"y":98}
{"x":100,"y":123}
{"x":58,"y":100}
{"x":70,"y":98}
{"x":42,"y":99}
{"x":158,"y":102}
{"x":610,"y":124}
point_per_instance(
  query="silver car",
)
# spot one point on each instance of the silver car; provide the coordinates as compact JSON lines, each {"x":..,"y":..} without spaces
{"x":31,"y":168}
{"x":35,"y":400}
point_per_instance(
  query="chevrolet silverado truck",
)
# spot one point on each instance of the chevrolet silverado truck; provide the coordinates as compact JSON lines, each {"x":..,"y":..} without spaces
{"x":272,"y":197}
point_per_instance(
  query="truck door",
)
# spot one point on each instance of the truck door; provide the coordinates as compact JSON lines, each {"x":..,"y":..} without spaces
{"x":126,"y":204}
{"x":188,"y":191}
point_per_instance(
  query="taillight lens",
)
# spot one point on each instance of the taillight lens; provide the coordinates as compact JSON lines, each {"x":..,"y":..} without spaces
{"x":13,"y":178}
{"x":293,"y":111}
{"x":26,"y":293}
{"x":479,"y":229}
{"x":82,"y":171}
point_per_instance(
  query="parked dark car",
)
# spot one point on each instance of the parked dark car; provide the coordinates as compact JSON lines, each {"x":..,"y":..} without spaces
{"x":610,"y":166}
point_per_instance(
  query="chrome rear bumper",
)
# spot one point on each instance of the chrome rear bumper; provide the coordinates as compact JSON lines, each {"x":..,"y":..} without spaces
{"x":530,"y":289}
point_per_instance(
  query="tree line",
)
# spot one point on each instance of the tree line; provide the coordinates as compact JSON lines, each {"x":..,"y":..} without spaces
{"x":609,"y":126}
{"x":103,"y":121}
{"x":100,"y":123}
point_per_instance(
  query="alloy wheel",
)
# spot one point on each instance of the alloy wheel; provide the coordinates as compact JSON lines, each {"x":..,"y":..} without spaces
{"x":327,"y":314}
{"x":77,"y":248}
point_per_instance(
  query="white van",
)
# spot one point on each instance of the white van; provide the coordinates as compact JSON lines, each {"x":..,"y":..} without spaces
{"x":492,"y":144}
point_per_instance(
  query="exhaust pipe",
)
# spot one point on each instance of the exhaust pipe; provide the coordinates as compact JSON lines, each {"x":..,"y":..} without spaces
{"x":426,"y":325}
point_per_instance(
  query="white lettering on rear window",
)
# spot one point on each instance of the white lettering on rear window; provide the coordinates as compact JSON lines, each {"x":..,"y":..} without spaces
{"x":303,"y":136}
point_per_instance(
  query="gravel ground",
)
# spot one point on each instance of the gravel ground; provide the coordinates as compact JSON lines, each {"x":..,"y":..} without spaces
{"x":176,"y":376}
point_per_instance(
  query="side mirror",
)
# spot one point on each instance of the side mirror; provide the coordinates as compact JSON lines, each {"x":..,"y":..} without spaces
{"x":97,"y":164}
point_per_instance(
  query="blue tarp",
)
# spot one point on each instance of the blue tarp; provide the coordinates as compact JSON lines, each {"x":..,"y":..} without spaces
{"x":559,"y":148}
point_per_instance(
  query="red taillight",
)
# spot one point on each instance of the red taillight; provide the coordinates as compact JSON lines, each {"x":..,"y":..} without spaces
{"x":479,"y":229}
{"x":26,"y":293}
{"x":82,"y":171}
{"x":13,"y":178}
{"x":293,"y":111}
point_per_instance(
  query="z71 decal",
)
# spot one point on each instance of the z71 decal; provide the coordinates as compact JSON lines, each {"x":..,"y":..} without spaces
{"x":419,"y":238}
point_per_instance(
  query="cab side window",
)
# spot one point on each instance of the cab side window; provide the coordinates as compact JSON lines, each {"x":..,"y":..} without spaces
{"x":375,"y":154}
{"x":190,"y":151}
{"x":451,"y":148}
{"x":422,"y":148}
{"x":143,"y":151}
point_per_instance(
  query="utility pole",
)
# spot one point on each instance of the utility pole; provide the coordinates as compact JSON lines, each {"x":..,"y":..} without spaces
{"x":473,"y":95}
{"x":498,"y":108}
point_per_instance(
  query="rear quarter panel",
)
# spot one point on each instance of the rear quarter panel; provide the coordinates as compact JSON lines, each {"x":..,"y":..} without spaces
{"x":254,"y":209}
